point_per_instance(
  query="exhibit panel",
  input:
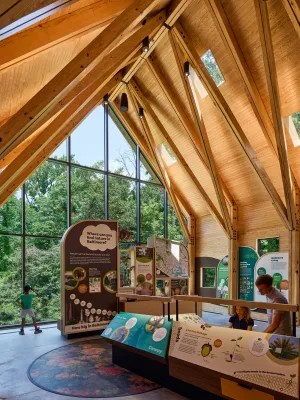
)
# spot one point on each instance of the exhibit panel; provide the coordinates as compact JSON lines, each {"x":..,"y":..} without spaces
{"x":147,"y":333}
{"x":260,"y":360}
{"x":89,"y":276}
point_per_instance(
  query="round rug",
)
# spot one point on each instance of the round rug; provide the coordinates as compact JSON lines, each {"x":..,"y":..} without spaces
{"x":84,"y":369}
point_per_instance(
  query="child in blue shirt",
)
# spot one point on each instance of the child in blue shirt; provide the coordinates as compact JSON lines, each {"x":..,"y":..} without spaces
{"x":241,"y":319}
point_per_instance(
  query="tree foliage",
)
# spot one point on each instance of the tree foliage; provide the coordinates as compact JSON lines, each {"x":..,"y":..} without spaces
{"x":46,"y":215}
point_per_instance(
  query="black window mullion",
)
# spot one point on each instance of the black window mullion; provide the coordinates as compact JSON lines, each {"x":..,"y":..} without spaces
{"x":106,"y":162}
{"x":138,"y":196}
{"x":23,"y":234}
{"x":166,"y":233}
{"x":69,"y":187}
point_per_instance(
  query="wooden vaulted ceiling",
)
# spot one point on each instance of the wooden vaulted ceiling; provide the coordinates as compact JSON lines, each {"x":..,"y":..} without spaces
{"x":54,"y":71}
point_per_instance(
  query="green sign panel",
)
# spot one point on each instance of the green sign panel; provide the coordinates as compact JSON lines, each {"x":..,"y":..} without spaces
{"x":222,"y":278}
{"x":247,"y":261}
{"x":144,"y":332}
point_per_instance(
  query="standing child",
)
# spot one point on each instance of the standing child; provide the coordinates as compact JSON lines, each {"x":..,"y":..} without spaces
{"x":25,"y":301}
{"x":241,"y":319}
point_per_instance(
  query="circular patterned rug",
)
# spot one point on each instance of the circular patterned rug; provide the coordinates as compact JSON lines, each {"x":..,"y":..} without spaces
{"x":84,"y":369}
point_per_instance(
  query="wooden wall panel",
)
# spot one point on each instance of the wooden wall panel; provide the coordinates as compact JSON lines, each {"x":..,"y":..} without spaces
{"x":211,"y":240}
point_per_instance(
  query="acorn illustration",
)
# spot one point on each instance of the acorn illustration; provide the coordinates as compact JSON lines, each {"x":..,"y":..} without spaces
{"x":206,"y":349}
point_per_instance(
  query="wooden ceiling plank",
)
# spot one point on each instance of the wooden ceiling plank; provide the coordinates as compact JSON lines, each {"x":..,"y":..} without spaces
{"x":49,"y":138}
{"x":292,"y":8}
{"x":148,"y":109}
{"x":30,"y":11}
{"x":265,"y":34}
{"x":46,"y":34}
{"x":221,"y":104}
{"x":202,"y":134}
{"x":98,"y":76}
{"x":160,"y":166}
{"x":223,"y":25}
{"x":183,"y":117}
{"x":90,"y":56}
{"x":175,"y":9}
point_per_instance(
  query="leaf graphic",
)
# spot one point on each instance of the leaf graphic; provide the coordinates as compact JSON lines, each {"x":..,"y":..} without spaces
{"x":240,"y":338}
{"x":233,"y":340}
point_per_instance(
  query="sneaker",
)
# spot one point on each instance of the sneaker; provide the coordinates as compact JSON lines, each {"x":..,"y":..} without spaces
{"x":38,"y":330}
{"x":21,"y":332}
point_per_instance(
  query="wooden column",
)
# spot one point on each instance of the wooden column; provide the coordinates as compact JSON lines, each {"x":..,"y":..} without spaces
{"x":192,"y":252}
{"x":233,"y":277}
{"x":294,"y":259}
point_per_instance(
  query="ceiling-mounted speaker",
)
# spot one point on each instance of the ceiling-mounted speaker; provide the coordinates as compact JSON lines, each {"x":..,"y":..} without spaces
{"x":124,"y":102}
{"x":146,"y":44}
{"x":105,"y":98}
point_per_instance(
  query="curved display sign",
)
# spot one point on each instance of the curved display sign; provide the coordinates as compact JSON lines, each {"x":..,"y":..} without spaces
{"x":276,"y":265}
{"x":89,"y":276}
{"x":247,"y":260}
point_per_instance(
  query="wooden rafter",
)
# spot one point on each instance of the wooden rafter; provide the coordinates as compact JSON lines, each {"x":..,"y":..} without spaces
{"x":98,"y":76}
{"x":197,"y":115}
{"x":51,"y":32}
{"x":90,"y":56}
{"x":145,"y":104}
{"x":224,"y":28}
{"x":223,"y":25}
{"x":271,"y":76}
{"x":292,"y":8}
{"x":221,"y":104}
{"x":182,"y":116}
{"x":13,"y":10}
{"x":160,"y":166}
{"x":50,"y":138}
{"x":140,"y":140}
{"x":175,"y":9}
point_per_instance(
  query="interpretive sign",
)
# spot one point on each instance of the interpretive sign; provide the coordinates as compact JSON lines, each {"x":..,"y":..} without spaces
{"x":276,"y":265}
{"x":144,"y":332}
{"x":271,"y":361}
{"x":89,"y":276}
{"x":144,"y":270}
{"x":247,"y":261}
{"x":222,"y":278}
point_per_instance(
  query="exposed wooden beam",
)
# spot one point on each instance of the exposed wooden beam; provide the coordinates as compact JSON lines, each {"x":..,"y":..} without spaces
{"x":271,"y":76}
{"x":175,"y":9}
{"x":98,"y":76}
{"x":140,"y":140}
{"x":145,"y":104}
{"x":182,"y":116}
{"x":49,"y":139}
{"x":51,"y":32}
{"x":197,"y":115}
{"x":29,"y":11}
{"x":160,"y":166}
{"x":90,"y":56}
{"x":292,"y":8}
{"x":132,"y":129}
{"x":223,"y":107}
{"x":223,"y":25}
{"x":233,"y":263}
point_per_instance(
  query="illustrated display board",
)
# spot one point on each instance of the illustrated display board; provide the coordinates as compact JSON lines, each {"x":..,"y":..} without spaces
{"x":222,"y":279}
{"x":144,"y":332}
{"x":276,"y":265}
{"x":270,"y":361}
{"x":144,"y":270}
{"x":127,"y":279}
{"x":89,"y":276}
{"x":171,"y":265}
{"x":247,"y":260}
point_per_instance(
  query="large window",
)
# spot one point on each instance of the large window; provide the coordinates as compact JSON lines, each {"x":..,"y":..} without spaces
{"x":99,"y":173}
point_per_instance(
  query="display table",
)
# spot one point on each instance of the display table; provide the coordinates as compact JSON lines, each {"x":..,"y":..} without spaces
{"x":186,"y":355}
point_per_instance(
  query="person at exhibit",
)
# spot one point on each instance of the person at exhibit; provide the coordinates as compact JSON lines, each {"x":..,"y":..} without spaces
{"x":241,"y":319}
{"x":279,"y":321}
{"x":25,"y":302}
